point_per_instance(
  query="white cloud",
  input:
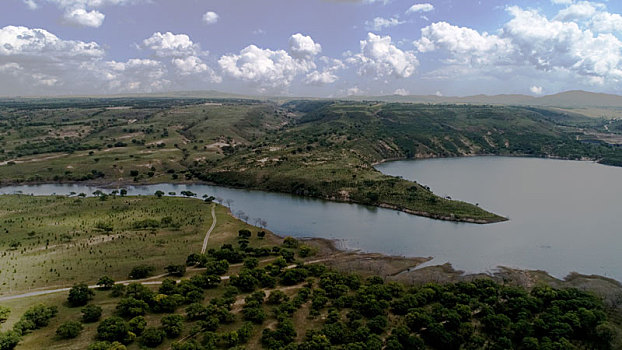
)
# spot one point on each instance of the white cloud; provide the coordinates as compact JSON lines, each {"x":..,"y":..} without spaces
{"x":536,"y":90}
{"x":321,"y":78}
{"x":17,"y":41}
{"x":81,"y":12}
{"x":605,"y":22}
{"x":354,"y":91}
{"x":193,"y":65}
{"x":581,"y":10}
{"x":379,"y":23}
{"x":31,"y":4}
{"x":381,"y":59}
{"x":210,"y":17}
{"x":401,"y":92}
{"x":420,"y":8}
{"x":265,"y":68}
{"x":85,"y":18}
{"x":303,"y":47}
{"x":562,"y":2}
{"x":171,"y":45}
{"x":531,"y":40}
{"x":35,"y":61}
{"x":464,"y":45}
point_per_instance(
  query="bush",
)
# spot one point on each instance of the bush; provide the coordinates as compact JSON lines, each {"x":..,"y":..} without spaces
{"x":176,"y":270}
{"x":137,"y":325}
{"x":91,"y":313}
{"x":69,"y":330}
{"x":79,"y":295}
{"x":117,"y":290}
{"x":152,"y":337}
{"x":141,"y":271}
{"x":35,"y":317}
{"x":172,"y":325}
{"x":131,"y":307}
{"x":113,"y":329}
{"x":9,"y":340}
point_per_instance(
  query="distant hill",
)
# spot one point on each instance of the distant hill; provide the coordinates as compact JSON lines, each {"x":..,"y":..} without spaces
{"x":568,"y":99}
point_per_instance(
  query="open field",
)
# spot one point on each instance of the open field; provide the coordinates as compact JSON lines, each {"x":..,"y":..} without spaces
{"x":58,"y":241}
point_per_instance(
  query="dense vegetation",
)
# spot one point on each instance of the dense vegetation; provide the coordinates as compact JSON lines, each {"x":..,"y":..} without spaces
{"x":282,"y":306}
{"x":323,"y":149}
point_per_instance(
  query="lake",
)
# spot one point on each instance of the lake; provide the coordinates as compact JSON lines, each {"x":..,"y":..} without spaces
{"x":564,"y":215}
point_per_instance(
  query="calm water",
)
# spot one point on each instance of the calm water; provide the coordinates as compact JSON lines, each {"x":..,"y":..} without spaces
{"x":564,"y":216}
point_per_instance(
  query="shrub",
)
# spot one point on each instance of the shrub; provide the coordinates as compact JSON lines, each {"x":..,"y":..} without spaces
{"x":152,"y":337}
{"x":113,"y":329}
{"x":69,"y":330}
{"x":141,"y":271}
{"x":91,"y":313}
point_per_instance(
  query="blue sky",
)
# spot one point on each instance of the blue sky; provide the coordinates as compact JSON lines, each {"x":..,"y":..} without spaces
{"x":327,"y":48}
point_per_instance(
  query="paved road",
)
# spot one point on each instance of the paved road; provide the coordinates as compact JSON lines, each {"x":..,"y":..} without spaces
{"x":209,"y":231}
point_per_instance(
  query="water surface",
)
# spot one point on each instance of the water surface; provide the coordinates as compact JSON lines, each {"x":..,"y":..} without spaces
{"x":564,"y":215}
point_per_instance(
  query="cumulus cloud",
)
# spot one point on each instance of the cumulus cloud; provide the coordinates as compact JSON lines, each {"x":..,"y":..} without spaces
{"x":81,"y":12}
{"x":263,"y":67}
{"x":536,"y":90}
{"x":380,"y":58}
{"x":22,"y":41}
{"x":210,"y":17}
{"x":171,"y":45}
{"x":268,"y":69}
{"x":578,"y":41}
{"x":320,"y":78}
{"x":85,"y":18}
{"x":303,"y":47}
{"x":420,"y":8}
{"x":464,"y":45}
{"x":581,"y":10}
{"x":34,"y":61}
{"x":401,"y":92}
{"x":379,"y":23}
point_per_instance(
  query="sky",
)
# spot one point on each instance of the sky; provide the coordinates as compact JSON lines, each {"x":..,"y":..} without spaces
{"x":318,"y":48}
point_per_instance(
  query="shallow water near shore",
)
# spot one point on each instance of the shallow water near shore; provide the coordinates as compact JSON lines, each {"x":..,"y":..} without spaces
{"x":564,"y":215}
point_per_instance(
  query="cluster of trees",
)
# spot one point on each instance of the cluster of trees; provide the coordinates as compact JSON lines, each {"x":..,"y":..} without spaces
{"x":36,"y":317}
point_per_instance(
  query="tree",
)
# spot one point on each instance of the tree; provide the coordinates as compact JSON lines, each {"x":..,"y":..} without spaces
{"x":290,"y":242}
{"x":261,"y":234}
{"x":137,"y":325}
{"x":152,"y":337}
{"x":188,"y":194}
{"x":251,"y":263}
{"x":131,"y":307}
{"x":4,"y":314}
{"x":123,"y":192}
{"x":176,"y":270}
{"x":172,"y":325}
{"x":105,"y":283}
{"x":113,"y":329}
{"x":9,"y":340}
{"x":159,"y":194}
{"x":91,"y":313}
{"x":244,"y":233}
{"x":79,"y":295}
{"x":69,"y":330}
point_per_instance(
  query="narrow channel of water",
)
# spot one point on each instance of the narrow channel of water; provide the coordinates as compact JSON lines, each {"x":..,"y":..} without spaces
{"x":564,"y":215}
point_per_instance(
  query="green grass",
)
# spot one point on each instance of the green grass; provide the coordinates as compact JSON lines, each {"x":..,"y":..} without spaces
{"x":79,"y":252}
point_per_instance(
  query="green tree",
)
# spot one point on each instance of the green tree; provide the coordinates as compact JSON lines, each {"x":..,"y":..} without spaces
{"x":79,"y":295}
{"x":105,"y":283}
{"x":113,"y":329}
{"x":91,"y":313}
{"x":172,"y":325}
{"x":152,"y":337}
{"x":137,"y":325}
{"x":69,"y":330}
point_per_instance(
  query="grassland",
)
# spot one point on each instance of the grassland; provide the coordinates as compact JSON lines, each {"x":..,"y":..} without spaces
{"x":322,"y":149}
{"x":58,"y":241}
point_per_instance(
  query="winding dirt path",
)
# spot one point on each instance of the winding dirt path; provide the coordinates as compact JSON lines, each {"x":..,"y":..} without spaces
{"x":210,"y":230}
